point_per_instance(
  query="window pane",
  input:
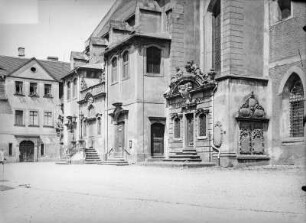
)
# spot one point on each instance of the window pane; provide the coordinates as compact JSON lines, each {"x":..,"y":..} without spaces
{"x":114,"y":70}
{"x":202,"y":125}
{"x":33,"y":118}
{"x":48,"y":118}
{"x":18,"y":87}
{"x":47,"y":89}
{"x":153,"y":60}
{"x":33,"y":88}
{"x":18,"y":117}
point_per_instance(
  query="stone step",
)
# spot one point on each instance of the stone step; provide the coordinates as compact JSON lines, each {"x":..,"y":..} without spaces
{"x":179,"y":164}
{"x":182,"y":160}
{"x":185,"y":156}
{"x":114,"y":163}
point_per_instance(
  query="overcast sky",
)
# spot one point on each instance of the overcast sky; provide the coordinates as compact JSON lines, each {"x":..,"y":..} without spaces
{"x":48,"y":27}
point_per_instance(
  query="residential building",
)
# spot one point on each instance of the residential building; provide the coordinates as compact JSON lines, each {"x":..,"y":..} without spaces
{"x":30,"y":92}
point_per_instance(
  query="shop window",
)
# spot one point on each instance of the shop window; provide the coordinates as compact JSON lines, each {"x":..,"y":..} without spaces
{"x":33,"y":89}
{"x":153,"y":60}
{"x":216,"y":36}
{"x":114,"y":77}
{"x":125,"y":67}
{"x":42,"y":149}
{"x":202,"y":125}
{"x":33,"y":119}
{"x":48,"y":119}
{"x":47,"y":90}
{"x":10,"y":149}
{"x":19,"y":117}
{"x":177,"y":128}
{"x":18,"y":87}
{"x":296,"y":100}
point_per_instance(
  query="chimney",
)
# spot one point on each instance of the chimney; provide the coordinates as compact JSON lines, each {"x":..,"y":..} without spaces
{"x":21,"y":52}
{"x":52,"y":58}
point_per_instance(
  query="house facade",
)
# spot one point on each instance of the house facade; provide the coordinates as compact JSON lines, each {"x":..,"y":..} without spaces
{"x":30,"y":107}
{"x":219,"y":81}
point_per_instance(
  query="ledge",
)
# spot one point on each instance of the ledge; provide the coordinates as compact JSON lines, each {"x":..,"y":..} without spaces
{"x":253,"y":157}
{"x":252,"y":119}
{"x":48,"y":126}
{"x":246,"y":78}
{"x":34,"y":96}
{"x":293,"y":140}
{"x":19,"y":125}
{"x":36,"y":126}
{"x":47,"y":96}
{"x":22,"y":95}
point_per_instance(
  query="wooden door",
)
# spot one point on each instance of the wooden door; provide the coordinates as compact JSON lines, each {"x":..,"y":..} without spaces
{"x":26,"y":149}
{"x":157,"y":139}
{"x":189,"y":128}
{"x":119,"y":140}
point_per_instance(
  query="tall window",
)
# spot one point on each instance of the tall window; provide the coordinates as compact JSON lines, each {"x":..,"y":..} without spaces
{"x":18,"y":87}
{"x":68,"y":90}
{"x":33,"y":89}
{"x":153,"y":60}
{"x":296,"y":100}
{"x":33,"y":121}
{"x":169,"y":21}
{"x":177,"y":128}
{"x":48,"y":119}
{"x":42,"y":149}
{"x":99,"y":126}
{"x":125,"y":69}
{"x":285,"y":8}
{"x":18,"y":117}
{"x":10,"y":149}
{"x":74,"y":89}
{"x":202,"y":125}
{"x":216,"y":36}
{"x":47,"y":90}
{"x":114,"y":77}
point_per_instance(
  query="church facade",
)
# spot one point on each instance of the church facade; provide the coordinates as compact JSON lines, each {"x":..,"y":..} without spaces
{"x":216,"y":81}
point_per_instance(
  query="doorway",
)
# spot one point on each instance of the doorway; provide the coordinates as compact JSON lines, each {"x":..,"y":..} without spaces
{"x":26,"y":151}
{"x":119,"y":140}
{"x":189,"y":129}
{"x":157,"y":139}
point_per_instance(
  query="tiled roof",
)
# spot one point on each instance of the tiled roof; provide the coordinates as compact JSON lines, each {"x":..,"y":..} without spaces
{"x":56,"y":69}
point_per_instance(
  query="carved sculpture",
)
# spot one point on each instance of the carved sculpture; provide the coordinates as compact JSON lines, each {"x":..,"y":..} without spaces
{"x":83,"y":83}
{"x":184,"y":90}
{"x":251,"y":109}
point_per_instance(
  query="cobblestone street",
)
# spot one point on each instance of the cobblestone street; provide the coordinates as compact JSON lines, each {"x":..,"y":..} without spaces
{"x":46,"y":192}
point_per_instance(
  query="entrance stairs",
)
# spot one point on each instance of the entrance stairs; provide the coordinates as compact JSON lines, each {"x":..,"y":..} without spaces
{"x":115,"y":162}
{"x":91,"y":156}
{"x":186,"y":158}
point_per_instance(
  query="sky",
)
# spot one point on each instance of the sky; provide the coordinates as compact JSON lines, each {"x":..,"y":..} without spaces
{"x":48,"y":27}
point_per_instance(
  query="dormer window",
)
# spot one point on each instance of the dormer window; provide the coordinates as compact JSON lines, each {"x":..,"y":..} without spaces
{"x":47,"y":90}
{"x":33,"y":89}
{"x":18,"y":87}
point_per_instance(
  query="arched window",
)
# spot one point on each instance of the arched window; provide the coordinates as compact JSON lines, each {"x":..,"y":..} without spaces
{"x":153,"y":60}
{"x":114,"y":77}
{"x":202,"y":125}
{"x":216,"y":36}
{"x":296,"y":100}
{"x":125,"y":64}
{"x":74,"y":89}
{"x":177,"y":128}
{"x":68,"y":90}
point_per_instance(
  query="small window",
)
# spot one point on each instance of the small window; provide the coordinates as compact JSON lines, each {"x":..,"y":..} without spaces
{"x":177,"y":128}
{"x":19,"y":117}
{"x":68,"y":90}
{"x":10,"y":149}
{"x":114,"y":78}
{"x":42,"y":149}
{"x":33,"y":89}
{"x":74,"y":90}
{"x":33,"y":121}
{"x":202,"y":125}
{"x":131,"y":20}
{"x":18,"y":87}
{"x":47,"y":90}
{"x":125,"y":68}
{"x":153,"y":60}
{"x":48,"y":119}
{"x":285,"y":8}
{"x":99,"y":126}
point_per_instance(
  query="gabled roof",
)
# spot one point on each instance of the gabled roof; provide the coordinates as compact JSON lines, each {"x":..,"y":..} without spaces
{"x":56,"y":69}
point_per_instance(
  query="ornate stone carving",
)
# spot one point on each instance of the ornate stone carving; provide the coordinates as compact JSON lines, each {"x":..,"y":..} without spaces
{"x":251,"y":109}
{"x":83,"y":83}
{"x":257,"y":141}
{"x":118,"y":112}
{"x":245,"y":141}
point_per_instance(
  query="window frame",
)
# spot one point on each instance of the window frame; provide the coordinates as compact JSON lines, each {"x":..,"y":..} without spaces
{"x":20,"y":93}
{"x":125,"y":64}
{"x":74,"y":87}
{"x":99,"y":126}
{"x":10,"y":149}
{"x":42,"y":149}
{"x":15,"y":120}
{"x":114,"y":78}
{"x":48,"y":95}
{"x":175,"y":127}
{"x":35,"y":93}
{"x":199,"y":126}
{"x":161,"y":71}
{"x":30,"y":124}
{"x":52,"y":122}
{"x":68,"y":90}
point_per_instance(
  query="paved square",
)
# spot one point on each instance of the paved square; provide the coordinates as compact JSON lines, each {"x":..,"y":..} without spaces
{"x":46,"y":192}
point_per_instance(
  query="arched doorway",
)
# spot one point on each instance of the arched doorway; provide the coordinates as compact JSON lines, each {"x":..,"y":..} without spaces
{"x":26,"y":151}
{"x":157,"y":139}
